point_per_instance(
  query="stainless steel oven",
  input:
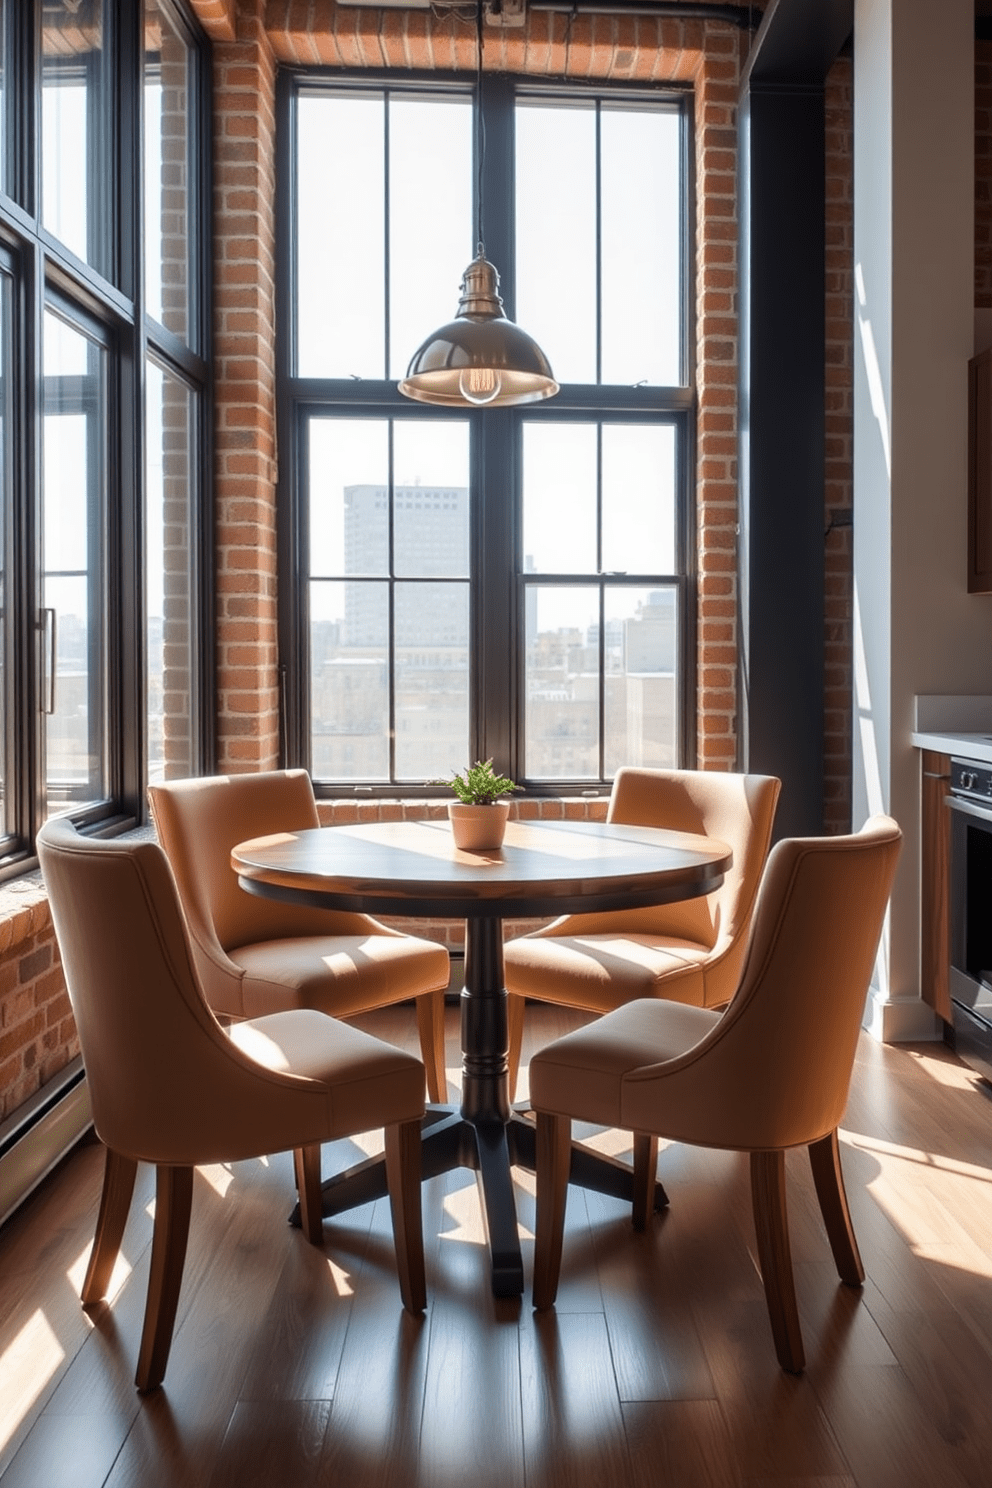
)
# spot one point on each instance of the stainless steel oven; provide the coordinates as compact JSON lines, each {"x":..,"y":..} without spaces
{"x":970,"y":801}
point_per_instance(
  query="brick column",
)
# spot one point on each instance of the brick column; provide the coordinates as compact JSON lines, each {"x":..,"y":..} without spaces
{"x":838,"y":447}
{"x":244,"y":360}
{"x":716,"y":85}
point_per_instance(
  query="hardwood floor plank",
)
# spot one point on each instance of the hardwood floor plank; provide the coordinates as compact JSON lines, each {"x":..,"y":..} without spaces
{"x":573,"y":1428}
{"x":68,"y":1451}
{"x":776,"y":1423}
{"x":884,"y":1434}
{"x":657,"y":1351}
{"x":471,"y":1430}
{"x":373,"y":1433}
{"x":942,"y":1358}
{"x":681,"y":1442}
{"x":273,"y":1442}
{"x":298,"y":1345}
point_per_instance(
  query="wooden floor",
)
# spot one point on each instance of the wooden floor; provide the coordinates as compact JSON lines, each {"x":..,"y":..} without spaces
{"x":292,"y":1367}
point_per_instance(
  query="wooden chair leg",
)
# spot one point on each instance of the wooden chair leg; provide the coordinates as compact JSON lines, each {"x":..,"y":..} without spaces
{"x":515,"y":1031}
{"x":645,"y":1174}
{"x":430,"y":1026}
{"x":554,"y":1156}
{"x":772,"y":1226}
{"x":115,"y":1201}
{"x":306,"y":1163}
{"x":403,"y":1177}
{"x":828,"y":1176}
{"x":173,"y":1201}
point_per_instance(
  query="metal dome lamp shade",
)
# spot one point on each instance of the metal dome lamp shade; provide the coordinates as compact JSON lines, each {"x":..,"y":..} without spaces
{"x":480,"y":358}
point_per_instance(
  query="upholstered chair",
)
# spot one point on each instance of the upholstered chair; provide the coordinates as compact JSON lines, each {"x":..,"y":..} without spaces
{"x":769,"y":1073}
{"x":169,"y":1086}
{"x":687,"y":952}
{"x":258,"y":956}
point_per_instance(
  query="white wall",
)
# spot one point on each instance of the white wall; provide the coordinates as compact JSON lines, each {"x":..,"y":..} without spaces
{"x":916,"y":628}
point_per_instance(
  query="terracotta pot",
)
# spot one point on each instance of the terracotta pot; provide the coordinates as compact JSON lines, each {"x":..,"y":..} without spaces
{"x":478,"y":828}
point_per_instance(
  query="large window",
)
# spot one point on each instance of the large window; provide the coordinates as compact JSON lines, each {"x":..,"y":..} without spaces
{"x":102,"y":413}
{"x":458,"y":584}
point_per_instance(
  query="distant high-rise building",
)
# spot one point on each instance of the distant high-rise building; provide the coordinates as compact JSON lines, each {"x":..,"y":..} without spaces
{"x":430,"y":541}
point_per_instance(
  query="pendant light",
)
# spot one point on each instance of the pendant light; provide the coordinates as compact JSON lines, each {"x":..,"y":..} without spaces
{"x":480,"y":358}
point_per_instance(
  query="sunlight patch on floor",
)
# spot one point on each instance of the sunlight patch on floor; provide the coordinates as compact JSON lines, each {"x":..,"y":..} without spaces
{"x":26,"y":1366}
{"x":942,"y":1207}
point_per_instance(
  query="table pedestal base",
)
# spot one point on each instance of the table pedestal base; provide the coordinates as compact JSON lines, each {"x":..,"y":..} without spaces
{"x":490,"y":1149}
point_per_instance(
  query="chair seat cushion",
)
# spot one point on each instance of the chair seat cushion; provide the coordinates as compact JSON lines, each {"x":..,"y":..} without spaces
{"x":338,"y":974}
{"x":600,"y":972}
{"x":581,"y":1075}
{"x":370,"y":1083}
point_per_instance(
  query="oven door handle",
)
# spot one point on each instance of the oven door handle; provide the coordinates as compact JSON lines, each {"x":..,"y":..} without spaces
{"x":970,"y":808}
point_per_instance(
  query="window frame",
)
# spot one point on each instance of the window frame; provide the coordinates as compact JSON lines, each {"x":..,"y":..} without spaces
{"x":45,"y":273}
{"x":497,"y":585}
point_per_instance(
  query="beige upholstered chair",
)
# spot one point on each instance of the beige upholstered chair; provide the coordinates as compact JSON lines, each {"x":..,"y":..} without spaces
{"x":169,"y":1086}
{"x":769,"y":1073}
{"x":258,"y":956}
{"x":688,"y":952}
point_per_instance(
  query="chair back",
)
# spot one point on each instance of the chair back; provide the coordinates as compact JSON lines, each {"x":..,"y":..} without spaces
{"x":775,"y":1070}
{"x":198,"y":823}
{"x":165,"y":1082}
{"x":736,"y":809}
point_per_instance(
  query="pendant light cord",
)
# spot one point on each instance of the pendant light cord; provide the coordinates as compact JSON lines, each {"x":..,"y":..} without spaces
{"x":480,"y":125}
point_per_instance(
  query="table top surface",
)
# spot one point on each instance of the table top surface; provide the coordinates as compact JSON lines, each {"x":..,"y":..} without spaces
{"x":413,"y":867}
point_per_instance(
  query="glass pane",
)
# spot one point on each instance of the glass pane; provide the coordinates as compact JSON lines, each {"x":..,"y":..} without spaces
{"x":431,"y":679}
{"x":349,"y":681}
{"x":559,"y":498}
{"x":3,"y":96}
{"x":430,"y":218}
{"x":638,"y":498}
{"x":562,"y":681}
{"x":640,"y":270}
{"x":349,"y":497}
{"x":170,"y":637}
{"x":73,"y":526}
{"x":430,"y":499}
{"x":6,"y":702}
{"x":341,"y":322}
{"x":640,"y":704}
{"x":168,"y":240}
{"x":556,"y":235}
{"x":75,"y":152}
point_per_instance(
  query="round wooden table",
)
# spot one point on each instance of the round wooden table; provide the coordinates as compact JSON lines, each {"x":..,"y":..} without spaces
{"x":543,"y":868}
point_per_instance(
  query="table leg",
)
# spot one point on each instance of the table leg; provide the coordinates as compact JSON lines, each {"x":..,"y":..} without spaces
{"x":485,"y":1134}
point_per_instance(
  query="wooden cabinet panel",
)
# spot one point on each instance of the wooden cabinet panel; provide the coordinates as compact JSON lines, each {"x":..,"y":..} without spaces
{"x":935,"y":865}
{"x":980,"y":474}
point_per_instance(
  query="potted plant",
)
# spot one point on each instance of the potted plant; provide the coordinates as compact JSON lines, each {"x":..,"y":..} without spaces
{"x":478,"y":817}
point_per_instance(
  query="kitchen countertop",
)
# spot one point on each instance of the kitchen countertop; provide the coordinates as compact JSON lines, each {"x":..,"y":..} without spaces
{"x":962,"y":746}
{"x":960,"y":726}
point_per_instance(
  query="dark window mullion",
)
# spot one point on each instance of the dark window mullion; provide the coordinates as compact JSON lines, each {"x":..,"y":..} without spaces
{"x":391,"y":605}
{"x":599,"y":243}
{"x":387,"y":349}
{"x":599,"y":527}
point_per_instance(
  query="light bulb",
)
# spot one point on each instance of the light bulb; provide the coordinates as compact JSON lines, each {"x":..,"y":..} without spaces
{"x":480,"y":384}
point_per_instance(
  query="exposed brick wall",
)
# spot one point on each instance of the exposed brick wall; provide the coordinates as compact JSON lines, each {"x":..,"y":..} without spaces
{"x":983,"y":175}
{"x":839,"y":449}
{"x":37,"y":1032}
{"x":216,"y":17}
{"x":244,"y":364}
{"x":716,"y":87}
{"x":320,"y":33}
